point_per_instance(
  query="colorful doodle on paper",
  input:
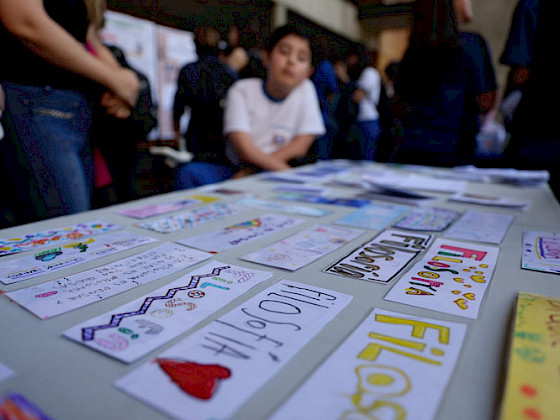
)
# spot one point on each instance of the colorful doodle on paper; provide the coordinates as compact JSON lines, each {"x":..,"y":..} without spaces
{"x":67,"y":255}
{"x":55,"y":236}
{"x":399,"y":363}
{"x":304,"y":247}
{"x":451,"y":277}
{"x":59,"y":296}
{"x":429,"y":219}
{"x":138,"y":327}
{"x":194,"y":217}
{"x":241,"y":233}
{"x":481,"y":226}
{"x":163,"y":208}
{"x":541,"y":251}
{"x":195,"y":379}
{"x":251,"y":344}
{"x":532,"y":380}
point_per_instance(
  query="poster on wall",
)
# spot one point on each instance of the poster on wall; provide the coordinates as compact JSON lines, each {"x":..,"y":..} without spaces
{"x":137,"y":38}
{"x":156,"y":51}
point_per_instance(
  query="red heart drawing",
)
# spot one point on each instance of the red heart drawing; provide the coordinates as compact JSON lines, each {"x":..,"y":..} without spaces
{"x":200,"y":381}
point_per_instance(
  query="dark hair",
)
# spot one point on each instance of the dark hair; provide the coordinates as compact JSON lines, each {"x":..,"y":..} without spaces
{"x":361,"y":52}
{"x":282,"y":32}
{"x":435,"y":24}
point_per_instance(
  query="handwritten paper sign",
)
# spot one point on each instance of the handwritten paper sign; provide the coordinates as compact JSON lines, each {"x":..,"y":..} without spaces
{"x":393,"y":366}
{"x":429,"y":219}
{"x":218,"y":368}
{"x":68,"y":254}
{"x":532,"y":382}
{"x":59,"y":296}
{"x":374,"y":216}
{"x":194,"y":217}
{"x":541,"y":251}
{"x":163,"y":208}
{"x":257,"y":203}
{"x":27,"y":242}
{"x":451,"y":277}
{"x":133,"y":330}
{"x":382,"y":258}
{"x":241,"y":233}
{"x":304,"y":247}
{"x":481,"y":226}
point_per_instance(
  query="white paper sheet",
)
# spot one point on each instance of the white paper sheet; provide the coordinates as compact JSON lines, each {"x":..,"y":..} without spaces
{"x":241,"y":233}
{"x":375,"y":216}
{"x":59,"y":296}
{"x":481,"y":226}
{"x":430,"y":219}
{"x":491,"y":200}
{"x":211,"y":373}
{"x":157,"y":209}
{"x":133,"y":330}
{"x":304,"y":247}
{"x":452,"y":277}
{"x":416,"y":182}
{"x":69,"y":254}
{"x":194,"y":217}
{"x":382,"y":258}
{"x":257,"y":203}
{"x":541,"y":251}
{"x":393,"y":366}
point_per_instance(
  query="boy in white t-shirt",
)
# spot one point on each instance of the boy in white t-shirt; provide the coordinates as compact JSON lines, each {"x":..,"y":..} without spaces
{"x":268,"y":122}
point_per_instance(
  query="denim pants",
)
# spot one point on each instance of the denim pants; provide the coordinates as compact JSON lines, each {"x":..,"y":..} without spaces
{"x":195,"y":174}
{"x":369,"y":133}
{"x":45,"y":153}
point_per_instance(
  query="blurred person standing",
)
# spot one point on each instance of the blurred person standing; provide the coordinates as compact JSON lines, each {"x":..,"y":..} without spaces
{"x":205,"y":95}
{"x":535,"y":140}
{"x":435,"y":91}
{"x":326,"y":83}
{"x":367,"y":126}
{"x":476,"y":48}
{"x":49,"y":89}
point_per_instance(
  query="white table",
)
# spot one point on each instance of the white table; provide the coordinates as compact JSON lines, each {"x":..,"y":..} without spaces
{"x":69,"y":381}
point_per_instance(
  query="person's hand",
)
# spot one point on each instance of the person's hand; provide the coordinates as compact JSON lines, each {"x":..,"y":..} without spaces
{"x":126,"y":86}
{"x":358,"y":95}
{"x":115,"y":106}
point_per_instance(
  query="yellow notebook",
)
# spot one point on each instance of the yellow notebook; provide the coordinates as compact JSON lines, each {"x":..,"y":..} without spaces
{"x":532,"y":389}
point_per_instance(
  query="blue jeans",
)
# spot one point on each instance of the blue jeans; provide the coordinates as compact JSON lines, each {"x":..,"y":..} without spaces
{"x":369,"y":133}
{"x":46,"y":152}
{"x":195,"y":174}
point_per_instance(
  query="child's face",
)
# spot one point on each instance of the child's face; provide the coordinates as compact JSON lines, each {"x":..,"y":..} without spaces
{"x":288,"y":64}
